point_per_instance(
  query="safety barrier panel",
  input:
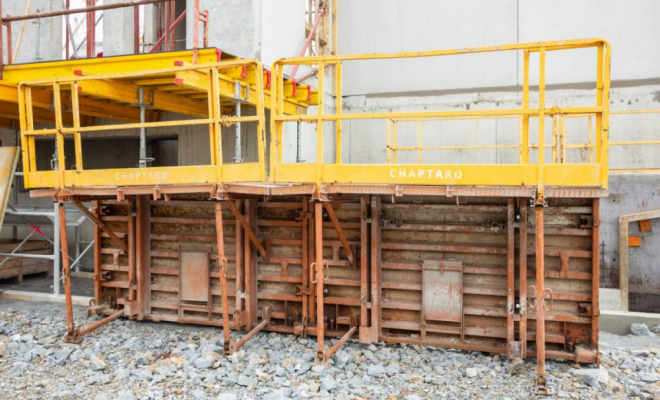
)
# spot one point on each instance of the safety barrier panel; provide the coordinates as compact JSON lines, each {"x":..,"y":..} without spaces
{"x":526,"y":172}
{"x":203,"y":91}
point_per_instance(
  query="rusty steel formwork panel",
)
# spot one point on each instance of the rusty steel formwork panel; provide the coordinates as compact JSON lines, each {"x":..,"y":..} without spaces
{"x":425,"y":270}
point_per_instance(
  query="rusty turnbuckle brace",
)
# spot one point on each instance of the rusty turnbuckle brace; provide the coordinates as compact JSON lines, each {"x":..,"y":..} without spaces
{"x":233,"y":346}
{"x":76,"y":335}
{"x":325,"y":356}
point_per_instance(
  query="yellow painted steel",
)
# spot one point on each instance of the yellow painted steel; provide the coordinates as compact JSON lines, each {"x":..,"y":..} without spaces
{"x":18,"y":73}
{"x":537,"y":174}
{"x":211,"y":113}
{"x":179,"y":92}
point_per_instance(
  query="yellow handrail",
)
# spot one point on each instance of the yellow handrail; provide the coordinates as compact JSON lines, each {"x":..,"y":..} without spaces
{"x":537,"y":174}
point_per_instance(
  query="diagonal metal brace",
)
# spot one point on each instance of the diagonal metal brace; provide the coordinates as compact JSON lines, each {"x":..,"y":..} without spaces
{"x":101,"y":226}
{"x":340,"y":233}
{"x":234,"y":346}
{"x":244,"y":224}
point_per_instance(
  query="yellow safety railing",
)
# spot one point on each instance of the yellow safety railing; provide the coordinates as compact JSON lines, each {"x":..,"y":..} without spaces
{"x":539,"y":173}
{"x":560,"y":145}
{"x":201,"y":92}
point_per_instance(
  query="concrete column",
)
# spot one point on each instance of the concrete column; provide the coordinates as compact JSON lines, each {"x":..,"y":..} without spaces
{"x":234,"y":27}
{"x":42,"y":38}
{"x":150,"y":25}
{"x":118,"y":30}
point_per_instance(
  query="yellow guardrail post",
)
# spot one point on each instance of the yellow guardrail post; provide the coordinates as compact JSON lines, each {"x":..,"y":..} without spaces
{"x":261,"y":115}
{"x":338,"y":123}
{"x":61,"y":158}
{"x":541,"y":152}
{"x":319,"y":128}
{"x":606,"y":116}
{"x":77,"y":137}
{"x":524,"y":141}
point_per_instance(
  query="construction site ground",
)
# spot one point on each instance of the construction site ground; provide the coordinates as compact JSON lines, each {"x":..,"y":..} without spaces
{"x":143,"y":360}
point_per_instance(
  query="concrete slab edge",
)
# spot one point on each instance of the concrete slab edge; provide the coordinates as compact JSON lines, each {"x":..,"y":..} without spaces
{"x":43,"y":297}
{"x":618,"y":322}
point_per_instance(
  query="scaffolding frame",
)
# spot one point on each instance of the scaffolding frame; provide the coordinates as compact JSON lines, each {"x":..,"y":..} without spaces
{"x":166,"y":26}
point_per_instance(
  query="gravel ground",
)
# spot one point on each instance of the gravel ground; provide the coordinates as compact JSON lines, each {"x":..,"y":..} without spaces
{"x":128,"y":360}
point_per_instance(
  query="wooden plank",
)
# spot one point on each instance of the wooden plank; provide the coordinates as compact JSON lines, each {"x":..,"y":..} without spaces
{"x":8,"y":163}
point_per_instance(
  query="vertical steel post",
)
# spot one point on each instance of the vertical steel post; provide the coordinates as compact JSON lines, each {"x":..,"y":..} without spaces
{"x":222,"y":271}
{"x":143,"y":255}
{"x":510,"y":281}
{"x":91,"y":30}
{"x":541,"y":379}
{"x":320,"y":319}
{"x":71,"y":334}
{"x":240,"y":281}
{"x":298,"y":142}
{"x":136,"y":29}
{"x":319,"y":129}
{"x":97,"y":254}
{"x":56,"y":236}
{"x":56,"y":251}
{"x":365,"y":204}
{"x":595,"y":277}
{"x":238,"y":157}
{"x":143,"y":130}
{"x":541,"y":133}
{"x":522,"y":328}
{"x":376,"y":268}
{"x":305,"y":269}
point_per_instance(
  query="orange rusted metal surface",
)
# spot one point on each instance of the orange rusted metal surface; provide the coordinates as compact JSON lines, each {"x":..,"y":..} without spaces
{"x":434,"y":270}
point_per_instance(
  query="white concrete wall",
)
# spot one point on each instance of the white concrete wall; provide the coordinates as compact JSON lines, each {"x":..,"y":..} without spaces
{"x":42,"y":38}
{"x":373,"y":26}
{"x":235,"y":26}
{"x":118,"y":30}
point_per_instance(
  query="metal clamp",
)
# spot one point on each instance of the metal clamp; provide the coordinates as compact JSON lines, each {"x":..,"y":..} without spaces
{"x":552,"y":300}
{"x":312,"y":272}
{"x":223,"y":267}
{"x":326,"y":265}
{"x":531,"y":293}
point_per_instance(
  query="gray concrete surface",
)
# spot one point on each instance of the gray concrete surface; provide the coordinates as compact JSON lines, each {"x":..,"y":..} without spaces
{"x":40,"y":284}
{"x":618,"y":322}
{"x":42,"y":38}
{"x":118,"y":30}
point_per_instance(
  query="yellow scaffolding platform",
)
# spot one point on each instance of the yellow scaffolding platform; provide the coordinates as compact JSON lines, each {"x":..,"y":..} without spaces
{"x":525,"y":173}
{"x":132,"y":90}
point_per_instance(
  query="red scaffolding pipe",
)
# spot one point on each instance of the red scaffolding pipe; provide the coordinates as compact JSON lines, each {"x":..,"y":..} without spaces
{"x":319,"y":14}
{"x":80,"y":10}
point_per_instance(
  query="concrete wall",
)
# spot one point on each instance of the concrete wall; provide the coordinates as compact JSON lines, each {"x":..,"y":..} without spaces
{"x":42,"y":38}
{"x":373,"y":26}
{"x":632,"y":193}
{"x":235,"y":26}
{"x":118,"y":30}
